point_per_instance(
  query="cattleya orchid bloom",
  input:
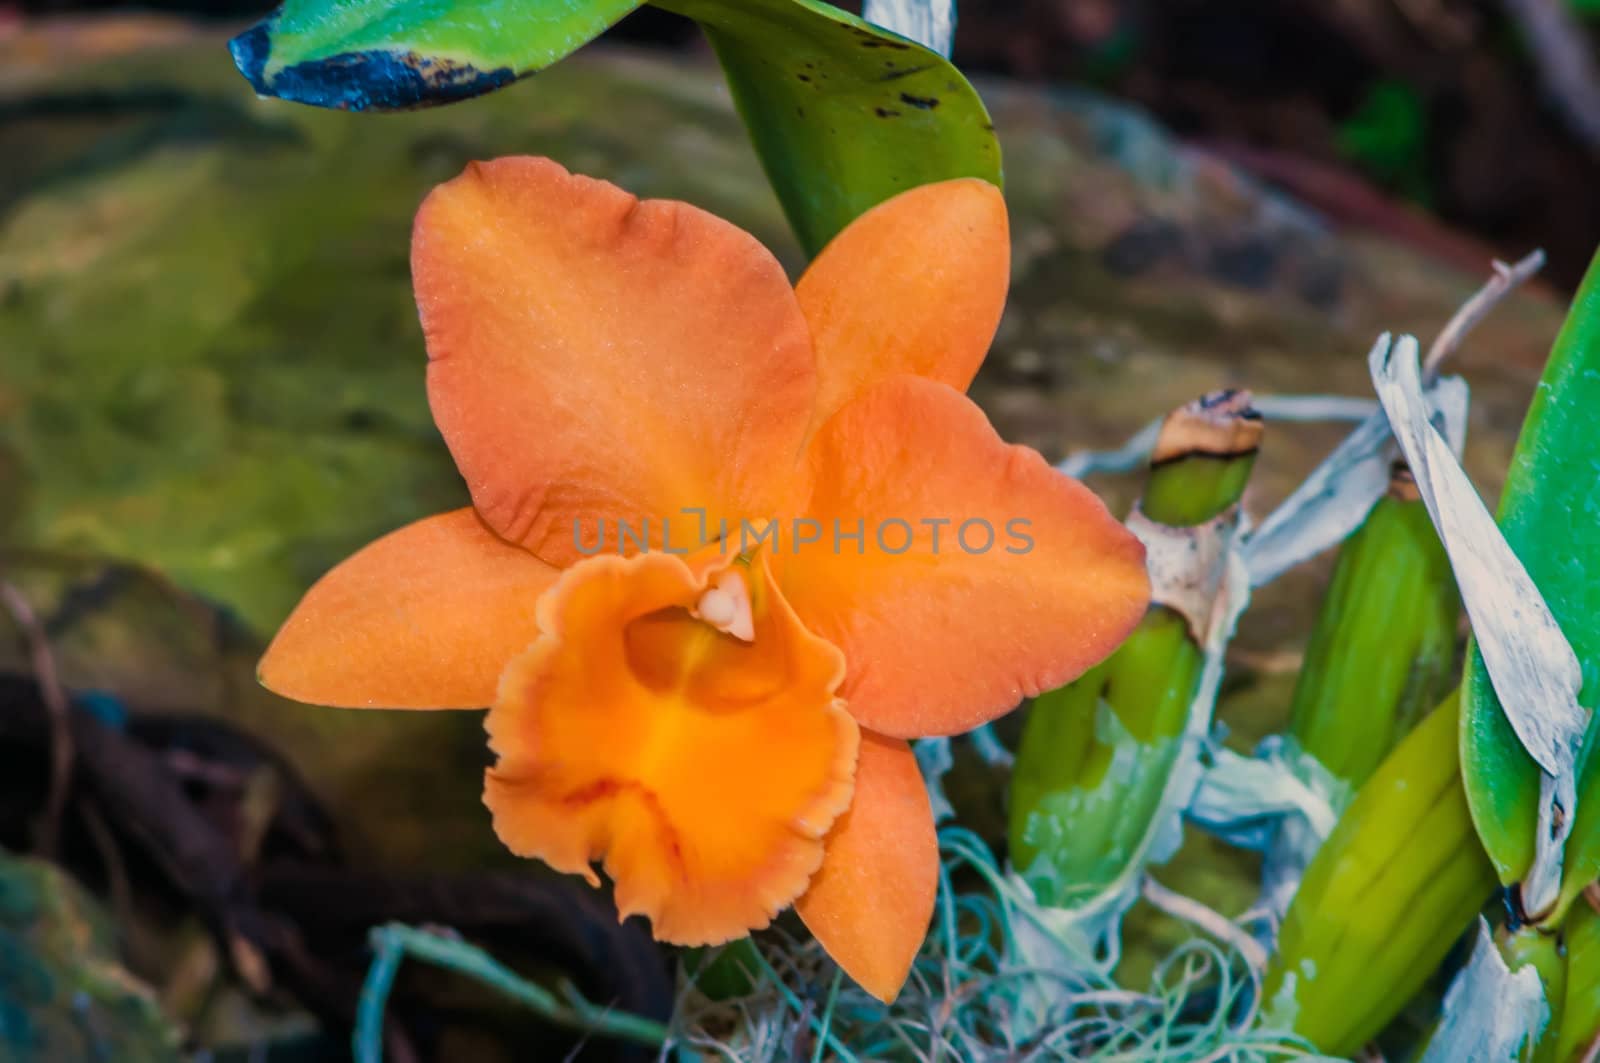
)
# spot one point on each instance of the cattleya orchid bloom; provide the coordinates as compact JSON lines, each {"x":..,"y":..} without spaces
{"x":723,"y":723}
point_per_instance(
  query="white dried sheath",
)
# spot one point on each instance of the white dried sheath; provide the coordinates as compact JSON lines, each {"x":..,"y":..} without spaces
{"x":1534,"y":671}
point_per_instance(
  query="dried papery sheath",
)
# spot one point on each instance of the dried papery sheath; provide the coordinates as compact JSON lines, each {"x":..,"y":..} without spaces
{"x":1534,"y":671}
{"x":1126,"y":458}
{"x":1222,"y":425}
{"x":1281,"y":802}
{"x":1189,"y":516}
{"x":931,"y":23}
{"x":1107,"y":764}
{"x":1334,"y":500}
{"x":1491,"y":1011}
{"x":1331,"y":502}
{"x":1315,"y":408}
{"x":1530,"y":663}
{"x":1186,"y":565}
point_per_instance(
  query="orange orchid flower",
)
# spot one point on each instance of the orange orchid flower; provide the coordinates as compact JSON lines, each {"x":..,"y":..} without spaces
{"x":722,"y":722}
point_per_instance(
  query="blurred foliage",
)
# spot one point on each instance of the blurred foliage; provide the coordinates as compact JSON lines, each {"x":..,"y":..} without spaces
{"x":1387,"y":136}
{"x":212,"y":358}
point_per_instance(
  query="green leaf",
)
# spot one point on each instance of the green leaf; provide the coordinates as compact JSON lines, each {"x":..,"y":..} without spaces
{"x":360,"y":55}
{"x":1550,"y":514}
{"x":843,"y":114}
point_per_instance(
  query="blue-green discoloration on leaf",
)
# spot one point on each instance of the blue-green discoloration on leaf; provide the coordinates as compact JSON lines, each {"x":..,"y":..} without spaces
{"x":381,"y":55}
{"x":377,"y":79}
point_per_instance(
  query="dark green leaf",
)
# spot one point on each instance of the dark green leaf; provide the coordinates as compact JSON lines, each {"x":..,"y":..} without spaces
{"x":843,"y":114}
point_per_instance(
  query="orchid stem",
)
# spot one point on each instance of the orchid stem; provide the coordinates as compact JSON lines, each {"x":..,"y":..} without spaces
{"x":1382,"y":650}
{"x":1154,"y":685}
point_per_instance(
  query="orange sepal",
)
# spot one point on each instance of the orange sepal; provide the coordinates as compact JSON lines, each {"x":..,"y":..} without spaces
{"x":872,"y":900}
{"x":943,"y":636}
{"x":425,"y":618}
{"x":915,"y":285}
{"x":595,"y":358}
{"x":703,"y":770}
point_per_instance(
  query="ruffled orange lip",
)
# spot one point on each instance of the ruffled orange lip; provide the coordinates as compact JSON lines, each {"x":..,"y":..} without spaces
{"x":635,"y":734}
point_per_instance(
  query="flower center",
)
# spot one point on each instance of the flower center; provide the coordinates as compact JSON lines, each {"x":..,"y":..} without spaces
{"x":720,"y":652}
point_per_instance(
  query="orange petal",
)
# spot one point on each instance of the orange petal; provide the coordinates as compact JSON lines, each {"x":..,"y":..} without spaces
{"x":915,"y":285}
{"x":704,"y":770}
{"x":1028,"y":583}
{"x":425,"y":618}
{"x":597,"y":359}
{"x":872,"y":901}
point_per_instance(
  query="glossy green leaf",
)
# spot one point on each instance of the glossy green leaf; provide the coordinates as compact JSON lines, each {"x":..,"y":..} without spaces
{"x":843,"y":114}
{"x":1550,"y":514}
